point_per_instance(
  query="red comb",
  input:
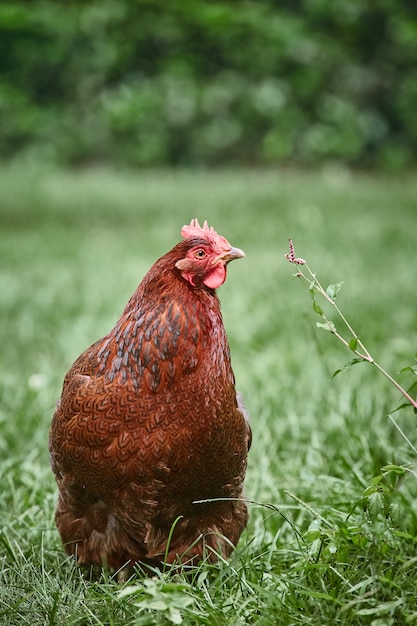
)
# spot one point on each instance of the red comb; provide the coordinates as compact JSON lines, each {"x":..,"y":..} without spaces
{"x":204,"y":232}
{"x":195,"y":230}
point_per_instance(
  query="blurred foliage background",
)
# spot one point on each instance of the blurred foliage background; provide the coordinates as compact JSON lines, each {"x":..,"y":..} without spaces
{"x":186,"y":82}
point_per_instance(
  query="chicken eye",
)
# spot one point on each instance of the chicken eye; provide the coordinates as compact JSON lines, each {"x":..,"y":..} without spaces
{"x":200,"y":253}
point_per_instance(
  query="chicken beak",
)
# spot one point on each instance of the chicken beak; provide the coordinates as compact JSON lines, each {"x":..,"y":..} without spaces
{"x":230,"y":255}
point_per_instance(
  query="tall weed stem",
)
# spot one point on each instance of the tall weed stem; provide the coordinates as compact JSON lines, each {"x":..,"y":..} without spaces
{"x":354,"y":343}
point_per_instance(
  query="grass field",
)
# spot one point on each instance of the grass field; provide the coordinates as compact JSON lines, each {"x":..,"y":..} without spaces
{"x":332,"y":535}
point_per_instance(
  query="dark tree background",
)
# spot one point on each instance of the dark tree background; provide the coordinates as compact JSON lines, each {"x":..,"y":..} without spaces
{"x":147,"y":82}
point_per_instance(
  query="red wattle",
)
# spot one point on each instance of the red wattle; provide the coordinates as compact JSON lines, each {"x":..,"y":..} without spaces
{"x":216,"y":277}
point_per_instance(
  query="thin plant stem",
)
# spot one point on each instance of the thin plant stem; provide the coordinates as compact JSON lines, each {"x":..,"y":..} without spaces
{"x":362,"y":353}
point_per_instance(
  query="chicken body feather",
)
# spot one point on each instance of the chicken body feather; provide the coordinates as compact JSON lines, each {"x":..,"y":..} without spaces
{"x":148,"y":424}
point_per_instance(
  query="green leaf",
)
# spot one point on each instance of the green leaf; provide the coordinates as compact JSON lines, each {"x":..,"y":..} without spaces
{"x":382,"y":608}
{"x":353,"y":344}
{"x":404,"y":405}
{"x":375,"y":504}
{"x":370,"y":490}
{"x":327,"y":325}
{"x":412,"y":387}
{"x":174,"y":615}
{"x":409,"y":368}
{"x":333,"y":290}
{"x":347,"y":365}
{"x":377,"y":479}
{"x":397,"y":469}
{"x":317,"y":308}
{"x":396,"y":514}
{"x":312,"y":535}
{"x":127,"y":591}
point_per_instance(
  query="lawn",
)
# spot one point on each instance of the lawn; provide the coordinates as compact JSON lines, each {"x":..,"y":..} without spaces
{"x":331,"y":477}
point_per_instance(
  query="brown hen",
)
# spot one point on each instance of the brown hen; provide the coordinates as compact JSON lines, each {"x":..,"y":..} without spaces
{"x":149,"y":423}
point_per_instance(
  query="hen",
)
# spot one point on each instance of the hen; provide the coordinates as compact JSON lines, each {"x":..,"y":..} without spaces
{"x":149,"y":440}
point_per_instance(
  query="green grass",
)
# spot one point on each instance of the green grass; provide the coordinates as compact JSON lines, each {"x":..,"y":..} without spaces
{"x":73,"y":247}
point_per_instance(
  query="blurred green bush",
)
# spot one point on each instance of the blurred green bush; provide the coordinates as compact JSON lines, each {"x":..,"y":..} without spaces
{"x":146,"y":82}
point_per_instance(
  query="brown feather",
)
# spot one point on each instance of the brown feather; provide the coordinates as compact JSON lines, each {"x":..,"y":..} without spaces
{"x":149,"y":423}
